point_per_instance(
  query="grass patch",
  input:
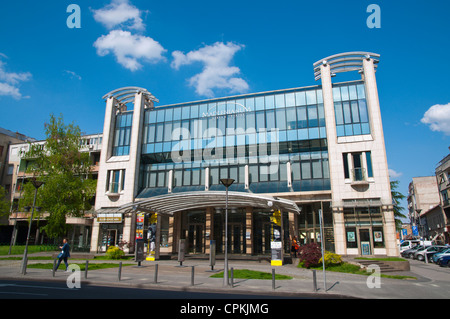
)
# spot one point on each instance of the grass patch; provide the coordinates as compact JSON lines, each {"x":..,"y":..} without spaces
{"x":252,"y":274}
{"x":19,"y":249}
{"x":82,"y":266}
{"x":382,"y":259}
{"x":354,"y":269}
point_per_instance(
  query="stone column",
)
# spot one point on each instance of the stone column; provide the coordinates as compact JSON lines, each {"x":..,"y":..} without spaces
{"x":249,"y":230}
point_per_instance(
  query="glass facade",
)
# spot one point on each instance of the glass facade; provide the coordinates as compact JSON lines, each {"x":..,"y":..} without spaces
{"x":122,"y":134}
{"x":264,"y":132}
{"x":350,"y":108}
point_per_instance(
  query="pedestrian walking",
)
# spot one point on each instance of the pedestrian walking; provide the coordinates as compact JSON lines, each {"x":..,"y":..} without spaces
{"x":294,"y":246}
{"x":64,"y":254}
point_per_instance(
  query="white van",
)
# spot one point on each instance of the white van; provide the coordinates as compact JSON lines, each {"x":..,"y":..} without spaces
{"x":408,"y":244}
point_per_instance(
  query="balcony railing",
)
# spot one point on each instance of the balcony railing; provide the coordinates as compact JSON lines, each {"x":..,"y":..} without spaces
{"x":359,"y":174}
{"x":113,"y":188}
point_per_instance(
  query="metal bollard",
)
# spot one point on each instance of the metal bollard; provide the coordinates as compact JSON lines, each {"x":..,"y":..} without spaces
{"x":54,"y":268}
{"x":273,"y":279}
{"x":192,"y":275}
{"x":120,"y":270}
{"x":232,"y":277}
{"x":155,"y":278}
{"x":314,"y":281}
{"x":86,"y":269}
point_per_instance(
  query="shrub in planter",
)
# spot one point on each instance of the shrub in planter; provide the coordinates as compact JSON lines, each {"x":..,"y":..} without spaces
{"x":331,"y":259}
{"x":114,"y":252}
{"x":310,"y":255}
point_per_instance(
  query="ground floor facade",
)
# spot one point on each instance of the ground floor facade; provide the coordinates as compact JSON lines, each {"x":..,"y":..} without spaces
{"x":357,"y":230}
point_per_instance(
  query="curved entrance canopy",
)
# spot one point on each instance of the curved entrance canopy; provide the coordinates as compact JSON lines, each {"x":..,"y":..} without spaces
{"x":176,"y":202}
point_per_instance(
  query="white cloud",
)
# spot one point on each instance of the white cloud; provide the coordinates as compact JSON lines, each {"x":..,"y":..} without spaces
{"x":394,"y":174}
{"x":129,"y":48}
{"x":217,"y":73}
{"x":438,"y":118}
{"x":73,"y":74}
{"x":9,"y":81}
{"x":120,"y":13}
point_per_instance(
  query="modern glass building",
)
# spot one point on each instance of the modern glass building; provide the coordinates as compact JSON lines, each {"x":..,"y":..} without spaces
{"x":292,"y":153}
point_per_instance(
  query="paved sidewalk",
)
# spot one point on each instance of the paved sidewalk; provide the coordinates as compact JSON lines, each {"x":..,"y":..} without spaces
{"x":172,"y":276}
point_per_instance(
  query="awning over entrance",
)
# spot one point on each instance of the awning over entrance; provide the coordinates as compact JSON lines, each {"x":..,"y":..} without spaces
{"x":175,"y":202}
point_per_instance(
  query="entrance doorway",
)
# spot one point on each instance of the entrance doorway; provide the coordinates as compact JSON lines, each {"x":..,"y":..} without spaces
{"x":235,"y":238}
{"x":193,"y":230}
{"x":196,"y":238}
{"x":364,"y":236}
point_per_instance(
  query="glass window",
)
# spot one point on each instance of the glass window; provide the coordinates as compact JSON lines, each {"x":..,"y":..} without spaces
{"x":336,"y":94}
{"x":160,"y":116}
{"x":300,"y":98}
{"x":168,"y":131}
{"x":186,"y":177}
{"x":270,"y":101}
{"x":311,"y":97}
{"x":169,"y":114}
{"x":253,"y":173}
{"x":312,"y":116}
{"x":355,"y":111}
{"x":240,"y":123}
{"x":344,"y":93}
{"x":317,"y":169}
{"x":347,"y":113}
{"x":306,"y":170}
{"x":302,"y":120}
{"x":361,"y":91}
{"x":259,"y":103}
{"x":159,"y":132}
{"x":363,"y":111}
{"x":221,"y":125}
{"x":346,"y":167}
{"x":352,"y":92}
{"x":214,"y":171}
{"x":290,"y":99}
{"x":321,"y":113}
{"x":196,"y":176}
{"x":250,"y":104}
{"x":281,"y":119}
{"x":194,"y":111}
{"x":260,"y":121}
{"x":319,"y":96}
{"x":369,"y":164}
{"x":291,"y":118}
{"x":279,"y":100}
{"x":338,"y":112}
{"x":250,"y":121}
{"x":177,"y":113}
{"x":270,"y":120}
{"x":161,"y":178}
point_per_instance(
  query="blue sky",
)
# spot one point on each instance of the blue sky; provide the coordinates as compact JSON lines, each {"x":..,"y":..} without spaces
{"x":190,"y":50}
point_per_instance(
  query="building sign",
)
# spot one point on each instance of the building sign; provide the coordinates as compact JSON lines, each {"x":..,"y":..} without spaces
{"x":276,"y":245}
{"x":140,"y":217}
{"x":109,"y":218}
{"x":215,"y":112}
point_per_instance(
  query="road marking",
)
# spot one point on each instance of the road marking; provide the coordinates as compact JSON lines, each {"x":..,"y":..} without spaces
{"x":29,"y":286}
{"x":22,"y":293}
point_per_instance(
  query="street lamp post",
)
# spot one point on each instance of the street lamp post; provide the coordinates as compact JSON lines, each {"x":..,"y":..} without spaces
{"x":36,"y":185}
{"x":227,"y":182}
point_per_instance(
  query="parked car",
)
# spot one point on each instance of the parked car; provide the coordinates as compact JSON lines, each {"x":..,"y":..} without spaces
{"x":443,"y":261}
{"x":445,"y":252}
{"x":409,"y":253}
{"x":420,"y":254}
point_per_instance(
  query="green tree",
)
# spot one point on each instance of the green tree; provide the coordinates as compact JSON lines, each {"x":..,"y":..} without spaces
{"x":397,"y":197}
{"x":65,"y":171}
{"x":4,"y":202}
